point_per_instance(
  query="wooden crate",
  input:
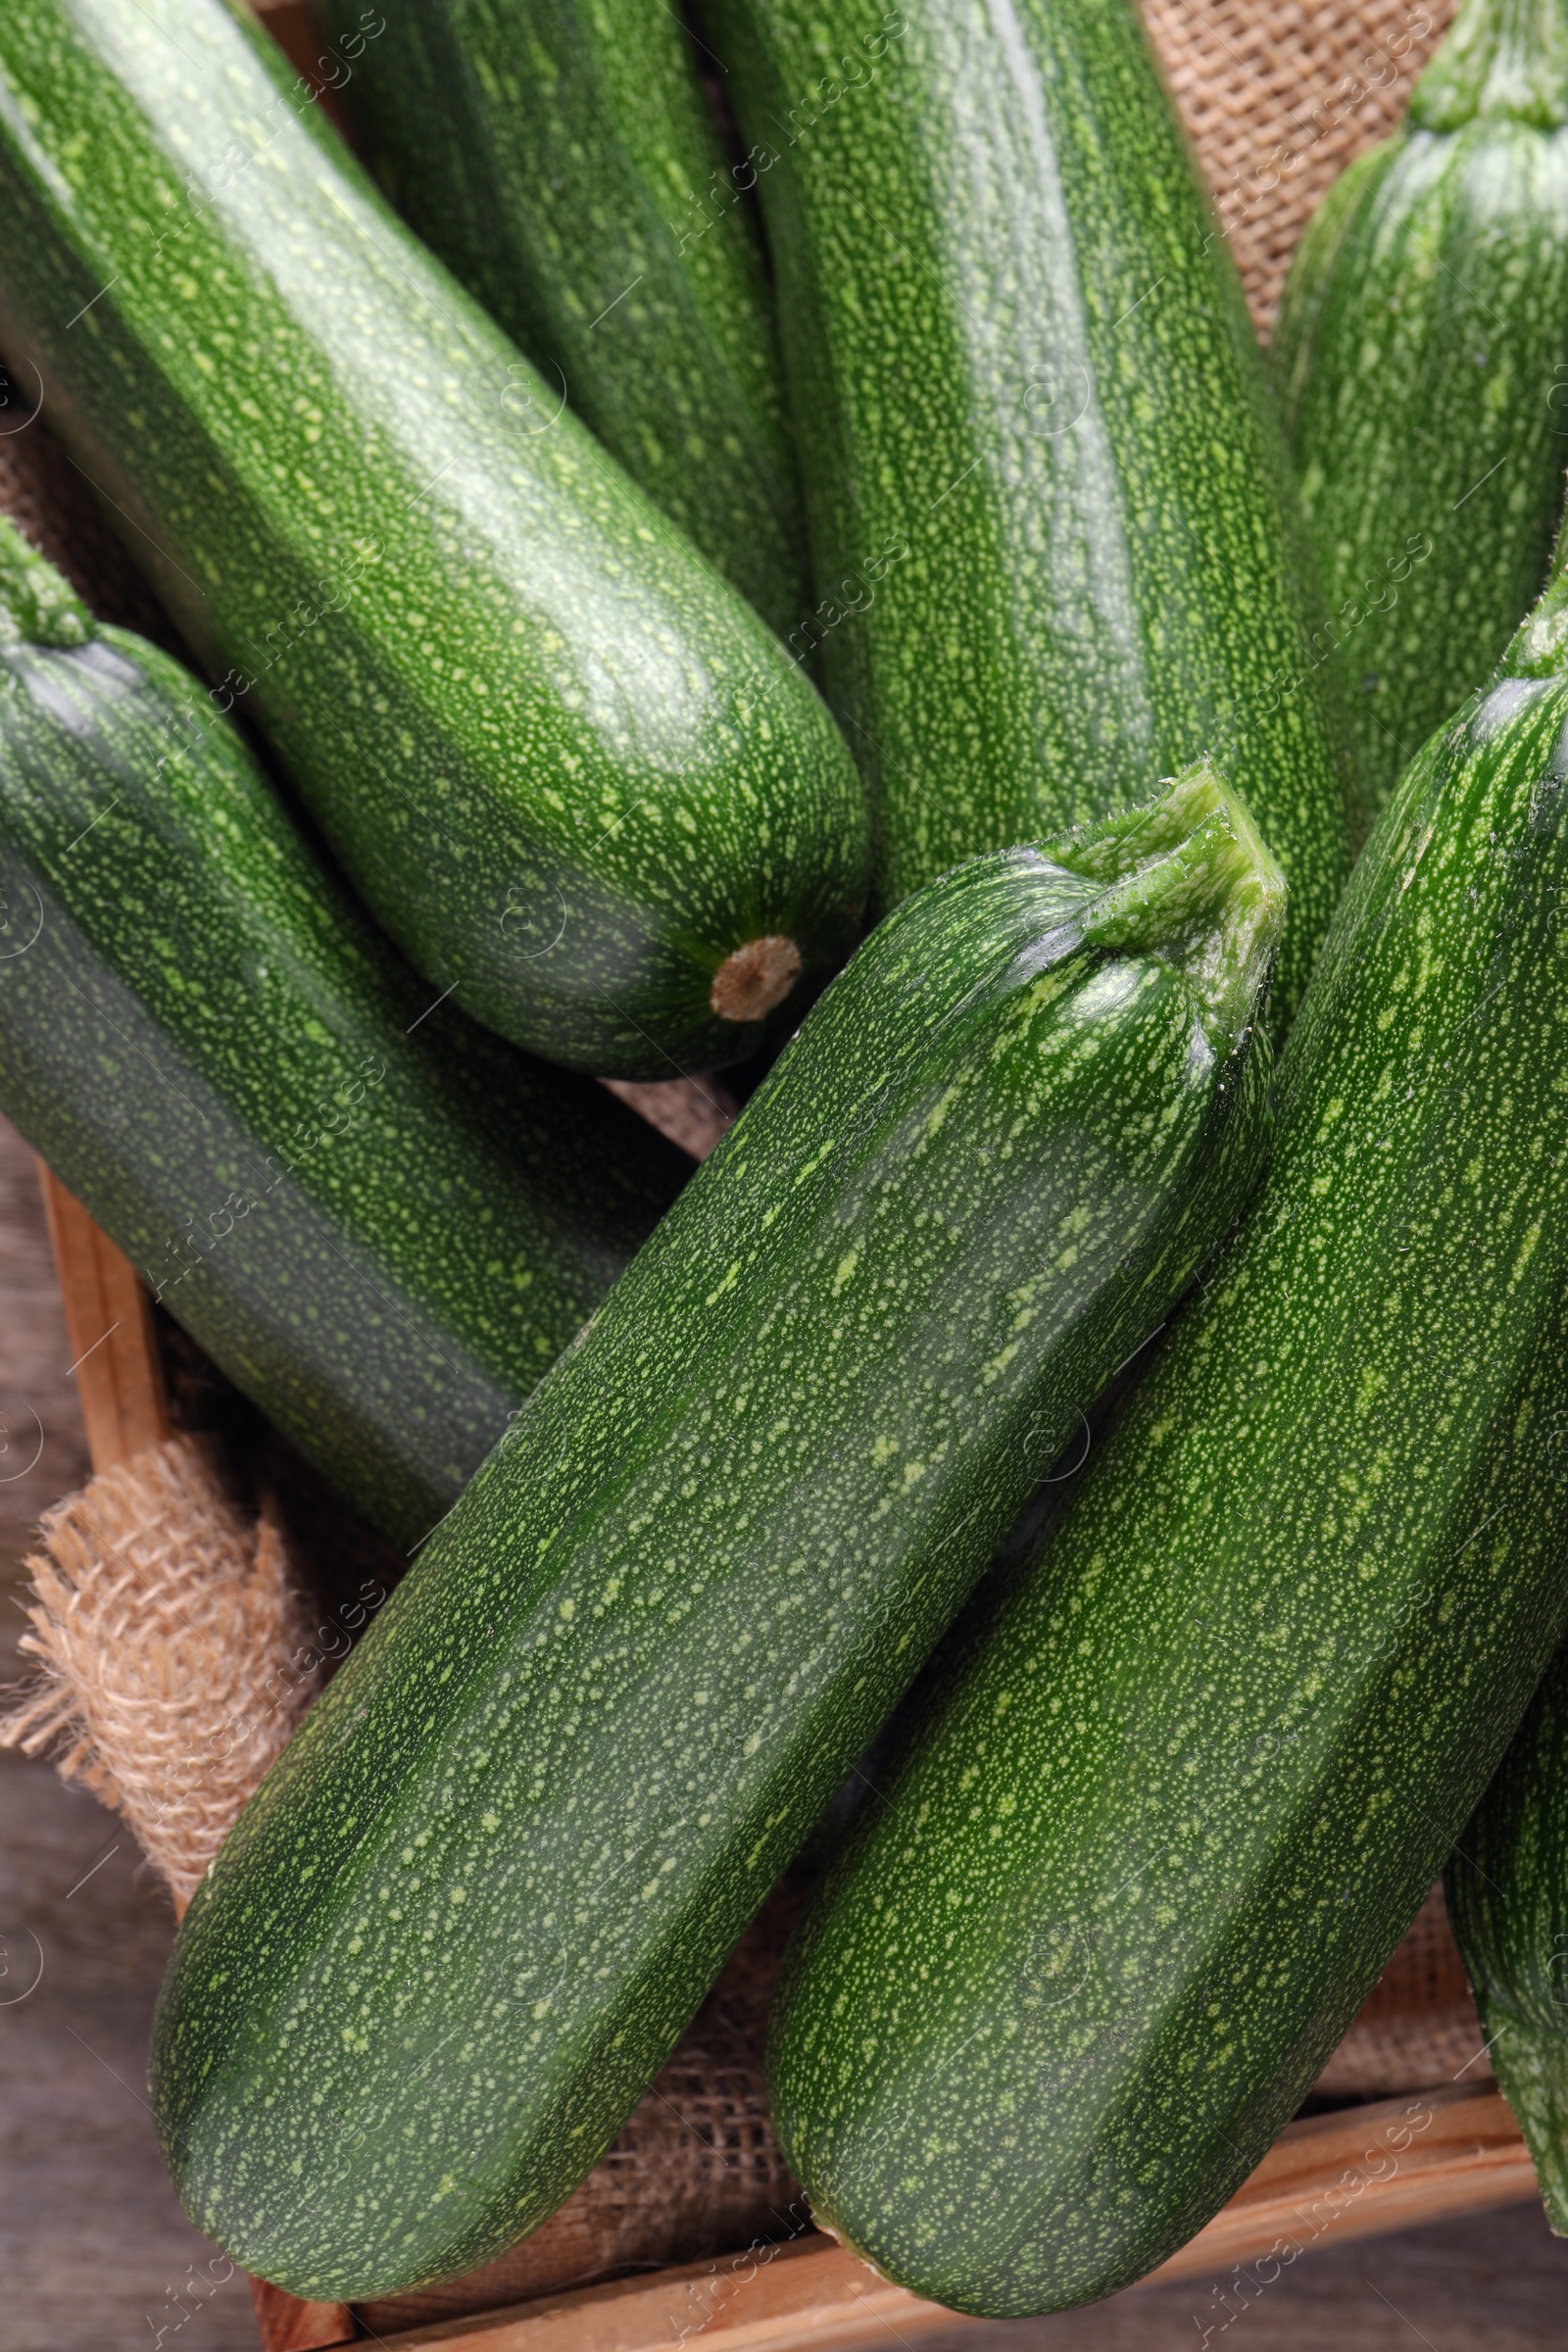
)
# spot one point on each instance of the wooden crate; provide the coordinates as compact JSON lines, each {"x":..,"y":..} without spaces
{"x":1331,"y":2178}
{"x":1350,"y":2173}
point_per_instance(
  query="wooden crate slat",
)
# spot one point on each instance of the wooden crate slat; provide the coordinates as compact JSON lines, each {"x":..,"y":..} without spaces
{"x":114,"y":1345}
{"x":807,"y":2293}
{"x":1354,"y":2173}
{"x":1357,"y":2171}
{"x":109,"y":1323}
{"x":284,"y":2324}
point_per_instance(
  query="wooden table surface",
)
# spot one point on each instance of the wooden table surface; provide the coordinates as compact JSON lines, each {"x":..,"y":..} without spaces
{"x":95,"y":2255}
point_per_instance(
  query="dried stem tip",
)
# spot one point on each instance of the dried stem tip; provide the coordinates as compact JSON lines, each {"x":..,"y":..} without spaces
{"x":756,"y":977}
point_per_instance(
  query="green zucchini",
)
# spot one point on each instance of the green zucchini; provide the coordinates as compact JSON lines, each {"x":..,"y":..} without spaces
{"x":562,"y":161}
{"x":456,"y":1934}
{"x":382,"y":1222}
{"x":570,"y":769}
{"x":1421,"y":358}
{"x":1056,"y":543}
{"x":1508,"y":1887}
{"x":1161,"y":1832}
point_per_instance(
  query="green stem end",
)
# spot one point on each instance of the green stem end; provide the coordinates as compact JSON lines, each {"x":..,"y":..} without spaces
{"x":36,"y":605}
{"x":1189,"y":875}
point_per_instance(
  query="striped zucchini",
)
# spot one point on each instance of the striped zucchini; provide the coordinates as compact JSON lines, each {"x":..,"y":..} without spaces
{"x":460,"y":1926}
{"x":1507,"y":1885}
{"x":1159,"y":1837}
{"x":562,"y":161}
{"x":1055,"y":545}
{"x":382,"y":1222}
{"x":567,"y":766}
{"x":1422,"y":362}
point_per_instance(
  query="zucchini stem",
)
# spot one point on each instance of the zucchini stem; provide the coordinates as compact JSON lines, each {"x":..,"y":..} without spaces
{"x":1539,"y":647}
{"x":749,"y":983}
{"x":36,"y":605}
{"x":1193,"y":879}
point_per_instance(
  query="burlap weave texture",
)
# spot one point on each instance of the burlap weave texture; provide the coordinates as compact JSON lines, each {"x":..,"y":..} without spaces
{"x":172,"y":1644}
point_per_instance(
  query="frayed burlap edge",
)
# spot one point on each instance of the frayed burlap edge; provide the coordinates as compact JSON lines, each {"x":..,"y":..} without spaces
{"x":173,"y":1662}
{"x":167,"y":1634}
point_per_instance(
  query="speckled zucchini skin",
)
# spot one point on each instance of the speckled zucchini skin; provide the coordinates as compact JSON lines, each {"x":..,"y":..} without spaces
{"x":383,"y":1227}
{"x":1508,"y":1887}
{"x":1422,"y":362}
{"x":1056,"y":546}
{"x":460,"y":1926}
{"x":559,"y":157}
{"x":567,"y":766}
{"x":1160,"y":1834}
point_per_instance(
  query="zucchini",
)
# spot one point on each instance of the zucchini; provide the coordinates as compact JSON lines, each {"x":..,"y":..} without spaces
{"x":382,"y":1222}
{"x":1421,"y":358}
{"x":1055,"y":543}
{"x":1161,"y":1834}
{"x":570,"y":769}
{"x":1507,"y":1889}
{"x":562,"y":161}
{"x":461,"y":1924}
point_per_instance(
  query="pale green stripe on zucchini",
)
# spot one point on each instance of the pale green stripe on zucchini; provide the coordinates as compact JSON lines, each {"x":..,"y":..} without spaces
{"x":559,"y":157}
{"x":1056,"y":547}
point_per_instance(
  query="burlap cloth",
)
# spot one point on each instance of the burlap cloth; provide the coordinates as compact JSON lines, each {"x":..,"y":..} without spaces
{"x":162,"y":1611}
{"x":1278,"y":95}
{"x":166,"y":1627}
